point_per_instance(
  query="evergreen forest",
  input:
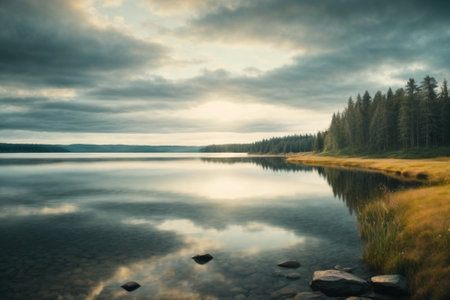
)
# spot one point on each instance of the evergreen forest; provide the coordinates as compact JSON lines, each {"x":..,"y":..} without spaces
{"x":415,"y":116}
{"x":275,"y":145}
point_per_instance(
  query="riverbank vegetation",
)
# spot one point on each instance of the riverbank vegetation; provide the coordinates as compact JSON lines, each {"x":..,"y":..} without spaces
{"x":405,"y":232}
{"x":408,"y":232}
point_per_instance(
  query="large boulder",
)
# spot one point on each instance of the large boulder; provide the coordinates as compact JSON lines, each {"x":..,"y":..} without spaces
{"x":390,"y":284}
{"x":338,"y":283}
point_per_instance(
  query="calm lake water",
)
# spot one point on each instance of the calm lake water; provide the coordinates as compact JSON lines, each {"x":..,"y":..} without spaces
{"x":78,"y":226}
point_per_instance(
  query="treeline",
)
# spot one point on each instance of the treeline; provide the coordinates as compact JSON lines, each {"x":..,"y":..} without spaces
{"x":415,"y":116}
{"x":275,"y":145}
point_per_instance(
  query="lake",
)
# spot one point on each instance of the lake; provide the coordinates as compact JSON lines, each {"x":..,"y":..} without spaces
{"x":78,"y":226}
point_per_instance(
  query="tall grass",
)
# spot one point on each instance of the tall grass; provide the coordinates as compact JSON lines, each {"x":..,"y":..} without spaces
{"x":409,"y":233}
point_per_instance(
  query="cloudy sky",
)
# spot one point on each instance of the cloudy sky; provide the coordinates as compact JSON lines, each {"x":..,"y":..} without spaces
{"x":196,"y":72}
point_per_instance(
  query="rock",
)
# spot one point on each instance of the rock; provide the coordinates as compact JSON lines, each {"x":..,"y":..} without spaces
{"x":293,"y":276}
{"x":289,"y":264}
{"x":357,"y":298}
{"x":390,"y":284}
{"x":130,"y":286}
{"x":338,"y":283}
{"x":345,"y":269}
{"x":310,"y":296}
{"x":286,"y":292}
{"x":202,"y":258}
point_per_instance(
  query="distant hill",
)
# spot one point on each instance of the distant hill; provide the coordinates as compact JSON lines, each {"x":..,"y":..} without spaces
{"x":18,"y":148}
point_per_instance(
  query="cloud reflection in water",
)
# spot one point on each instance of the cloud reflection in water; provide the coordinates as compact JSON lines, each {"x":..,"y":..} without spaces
{"x":23,"y":211}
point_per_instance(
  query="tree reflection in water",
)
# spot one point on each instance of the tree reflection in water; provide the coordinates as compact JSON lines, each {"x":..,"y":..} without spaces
{"x":355,"y":188}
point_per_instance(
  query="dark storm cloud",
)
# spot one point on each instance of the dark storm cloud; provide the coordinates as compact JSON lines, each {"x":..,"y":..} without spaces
{"x":312,"y":24}
{"x":52,"y":43}
{"x":346,"y":44}
{"x":343,"y":43}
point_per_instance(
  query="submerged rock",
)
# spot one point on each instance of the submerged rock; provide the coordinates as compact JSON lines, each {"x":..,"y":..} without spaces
{"x":286,"y":292}
{"x":130,"y":286}
{"x":338,"y":283}
{"x":202,"y":258}
{"x":357,"y":298}
{"x":390,"y":284}
{"x":289,"y":264}
{"x":310,"y":296}
{"x":293,"y":276}
{"x":345,"y":269}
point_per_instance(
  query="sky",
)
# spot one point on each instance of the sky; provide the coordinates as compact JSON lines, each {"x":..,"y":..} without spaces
{"x":198,"y":72}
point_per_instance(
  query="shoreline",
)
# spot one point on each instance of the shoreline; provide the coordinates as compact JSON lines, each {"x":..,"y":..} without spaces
{"x":407,"y":231}
{"x":429,"y":170}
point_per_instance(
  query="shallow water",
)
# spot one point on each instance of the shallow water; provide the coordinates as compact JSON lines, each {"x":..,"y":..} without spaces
{"x":78,"y":226}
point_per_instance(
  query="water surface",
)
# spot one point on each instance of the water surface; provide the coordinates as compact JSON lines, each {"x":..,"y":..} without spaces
{"x":77,"y":226}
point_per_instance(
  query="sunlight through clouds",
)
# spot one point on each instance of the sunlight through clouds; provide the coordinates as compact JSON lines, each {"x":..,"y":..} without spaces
{"x":185,"y":71}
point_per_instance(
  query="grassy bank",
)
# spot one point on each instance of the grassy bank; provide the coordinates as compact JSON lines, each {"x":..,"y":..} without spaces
{"x":406,"y":232}
{"x":432,"y":170}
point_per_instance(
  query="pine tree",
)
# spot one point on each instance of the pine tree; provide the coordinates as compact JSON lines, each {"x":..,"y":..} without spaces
{"x":428,"y":107}
{"x":378,"y":125}
{"x":408,"y":121}
{"x":350,"y":123}
{"x":318,"y":142}
{"x":365,"y":118}
{"x":359,"y":136}
{"x":445,"y":115}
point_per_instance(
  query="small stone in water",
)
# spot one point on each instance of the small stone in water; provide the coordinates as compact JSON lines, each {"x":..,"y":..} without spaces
{"x":289,"y":264}
{"x":131,"y":286}
{"x":345,"y":269}
{"x":202,"y":258}
{"x":293,"y":276}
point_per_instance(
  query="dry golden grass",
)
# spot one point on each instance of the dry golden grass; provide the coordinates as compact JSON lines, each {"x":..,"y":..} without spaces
{"x":433,"y":170}
{"x":407,"y":232}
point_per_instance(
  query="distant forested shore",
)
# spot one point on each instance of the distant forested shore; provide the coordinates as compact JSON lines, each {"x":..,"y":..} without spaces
{"x":30,"y":148}
{"x":275,"y":145}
